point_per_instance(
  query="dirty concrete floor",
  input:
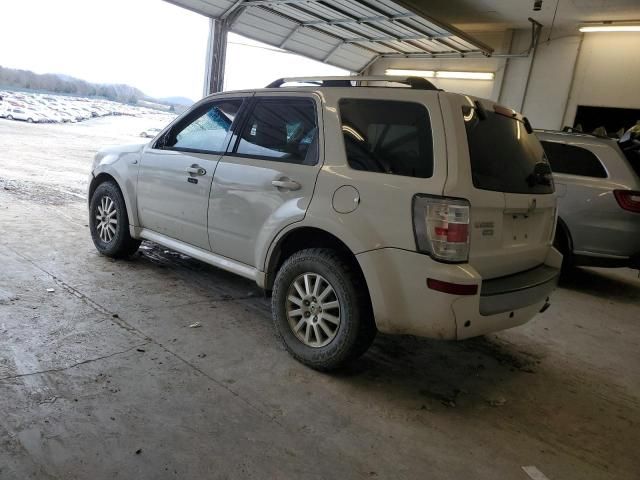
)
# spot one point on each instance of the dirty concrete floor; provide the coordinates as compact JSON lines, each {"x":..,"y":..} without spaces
{"x":102,"y":377}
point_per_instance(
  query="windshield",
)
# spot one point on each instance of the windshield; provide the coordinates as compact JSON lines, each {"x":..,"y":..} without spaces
{"x":504,"y":156}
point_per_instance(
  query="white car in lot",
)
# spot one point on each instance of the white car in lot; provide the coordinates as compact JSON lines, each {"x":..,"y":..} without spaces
{"x":150,"y":132}
{"x":21,"y":113}
{"x":362,"y":209}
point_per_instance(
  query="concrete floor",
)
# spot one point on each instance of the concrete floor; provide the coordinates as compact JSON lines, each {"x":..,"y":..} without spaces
{"x":103,"y":378}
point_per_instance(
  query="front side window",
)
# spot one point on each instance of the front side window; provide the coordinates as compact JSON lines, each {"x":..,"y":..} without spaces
{"x":206,"y":129}
{"x":573,"y":160}
{"x":281,"y":129}
{"x":387,"y":136}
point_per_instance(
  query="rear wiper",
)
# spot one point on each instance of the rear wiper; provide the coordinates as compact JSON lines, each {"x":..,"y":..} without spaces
{"x":541,"y":175}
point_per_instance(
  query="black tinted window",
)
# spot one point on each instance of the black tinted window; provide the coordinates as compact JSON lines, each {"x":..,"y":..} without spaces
{"x":206,"y":129}
{"x":573,"y":160}
{"x":387,"y":137}
{"x":503,"y":155}
{"x":281,"y":129}
{"x":634,"y":159}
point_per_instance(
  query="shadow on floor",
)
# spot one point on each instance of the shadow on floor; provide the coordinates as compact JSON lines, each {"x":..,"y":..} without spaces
{"x":602,"y":283}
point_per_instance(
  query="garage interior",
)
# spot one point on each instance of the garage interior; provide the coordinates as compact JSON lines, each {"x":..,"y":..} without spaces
{"x":102,"y":376}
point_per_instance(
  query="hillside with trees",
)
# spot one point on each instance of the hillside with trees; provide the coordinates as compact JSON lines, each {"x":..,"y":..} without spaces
{"x":55,"y":83}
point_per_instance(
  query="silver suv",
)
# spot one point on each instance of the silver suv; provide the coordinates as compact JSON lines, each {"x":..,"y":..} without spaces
{"x":598,"y":190}
{"x":361,"y":208}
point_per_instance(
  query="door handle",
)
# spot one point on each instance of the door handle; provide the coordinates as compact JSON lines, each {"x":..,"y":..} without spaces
{"x":196,"y":170}
{"x":286,"y":184}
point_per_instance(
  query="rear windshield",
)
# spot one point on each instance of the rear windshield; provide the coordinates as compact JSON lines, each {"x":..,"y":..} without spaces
{"x":503,"y":155}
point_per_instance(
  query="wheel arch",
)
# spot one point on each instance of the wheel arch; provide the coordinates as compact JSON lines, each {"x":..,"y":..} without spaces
{"x":304,"y":237}
{"x":564,"y":229}
{"x":103,"y":177}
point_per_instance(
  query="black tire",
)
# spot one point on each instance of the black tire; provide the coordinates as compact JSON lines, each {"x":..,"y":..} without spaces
{"x":29,"y":120}
{"x":356,"y":330}
{"x":120,"y":244}
{"x":9,"y":117}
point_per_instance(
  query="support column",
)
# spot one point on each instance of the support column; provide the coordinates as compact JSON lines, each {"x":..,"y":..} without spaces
{"x":216,"y":56}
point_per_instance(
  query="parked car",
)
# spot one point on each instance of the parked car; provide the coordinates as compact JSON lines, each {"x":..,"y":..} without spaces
{"x":351,"y":204}
{"x":150,"y":132}
{"x":16,"y":113}
{"x":598,"y":200}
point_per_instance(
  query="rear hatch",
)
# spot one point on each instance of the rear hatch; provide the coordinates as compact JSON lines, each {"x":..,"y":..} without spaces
{"x":504,"y":174}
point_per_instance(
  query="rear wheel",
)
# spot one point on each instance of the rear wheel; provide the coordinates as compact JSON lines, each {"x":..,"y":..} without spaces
{"x":9,"y":117}
{"x":30,"y":120}
{"x":109,"y":223}
{"x":321,"y":309}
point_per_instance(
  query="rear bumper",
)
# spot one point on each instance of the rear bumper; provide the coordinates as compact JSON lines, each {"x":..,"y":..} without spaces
{"x":403,"y":303}
{"x":517,"y":291}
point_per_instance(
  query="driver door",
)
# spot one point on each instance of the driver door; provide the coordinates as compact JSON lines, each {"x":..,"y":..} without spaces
{"x":175,"y":175}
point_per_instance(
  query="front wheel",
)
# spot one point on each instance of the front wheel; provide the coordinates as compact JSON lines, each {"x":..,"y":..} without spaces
{"x":9,"y":117}
{"x":29,"y":120}
{"x":109,"y":223}
{"x":321,"y":309}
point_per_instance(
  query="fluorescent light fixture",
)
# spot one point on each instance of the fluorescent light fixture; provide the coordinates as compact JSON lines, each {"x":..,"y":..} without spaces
{"x":609,"y":27}
{"x":411,"y":73}
{"x":442,"y":74}
{"x":466,"y":75}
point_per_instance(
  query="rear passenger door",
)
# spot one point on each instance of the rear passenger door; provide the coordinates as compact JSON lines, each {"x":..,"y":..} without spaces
{"x":266,"y":179}
{"x":581,"y":179}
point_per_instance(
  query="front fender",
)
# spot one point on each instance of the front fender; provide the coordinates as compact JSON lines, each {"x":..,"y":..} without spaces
{"x":120,"y":163}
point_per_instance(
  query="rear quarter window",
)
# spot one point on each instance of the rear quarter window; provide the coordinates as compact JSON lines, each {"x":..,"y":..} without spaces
{"x":573,"y":160}
{"x":387,"y":136}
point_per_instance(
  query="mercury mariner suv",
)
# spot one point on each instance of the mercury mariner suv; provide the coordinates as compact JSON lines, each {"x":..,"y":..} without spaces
{"x":362,"y":204}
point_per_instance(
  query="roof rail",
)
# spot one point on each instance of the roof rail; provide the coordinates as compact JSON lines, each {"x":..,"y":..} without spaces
{"x":571,"y":131}
{"x":418,"y":83}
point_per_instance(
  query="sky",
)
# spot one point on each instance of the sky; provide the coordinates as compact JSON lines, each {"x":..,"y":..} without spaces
{"x":149,"y":44}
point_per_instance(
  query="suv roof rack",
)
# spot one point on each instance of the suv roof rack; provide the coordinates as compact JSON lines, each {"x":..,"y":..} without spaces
{"x":418,"y":83}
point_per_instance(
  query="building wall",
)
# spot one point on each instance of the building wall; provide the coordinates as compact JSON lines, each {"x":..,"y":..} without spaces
{"x":479,"y":88}
{"x":550,"y":81}
{"x":607,"y":73}
{"x":597,"y":69}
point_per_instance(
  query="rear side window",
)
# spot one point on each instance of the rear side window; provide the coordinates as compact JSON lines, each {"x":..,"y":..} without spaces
{"x":503,"y":155}
{"x":281,"y":129}
{"x":633,"y":155}
{"x":387,"y":136}
{"x":573,"y":160}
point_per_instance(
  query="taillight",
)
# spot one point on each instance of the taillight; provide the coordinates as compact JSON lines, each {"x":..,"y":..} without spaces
{"x":441,"y":227}
{"x":628,"y":199}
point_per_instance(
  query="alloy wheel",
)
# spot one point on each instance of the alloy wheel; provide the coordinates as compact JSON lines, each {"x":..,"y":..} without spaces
{"x":313,"y":310}
{"x":107,"y":217}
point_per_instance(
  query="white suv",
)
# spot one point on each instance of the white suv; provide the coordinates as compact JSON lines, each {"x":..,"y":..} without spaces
{"x":361,"y":208}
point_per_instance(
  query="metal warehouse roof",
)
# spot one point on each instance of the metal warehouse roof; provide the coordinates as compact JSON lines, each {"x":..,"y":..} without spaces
{"x":350,"y":34}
